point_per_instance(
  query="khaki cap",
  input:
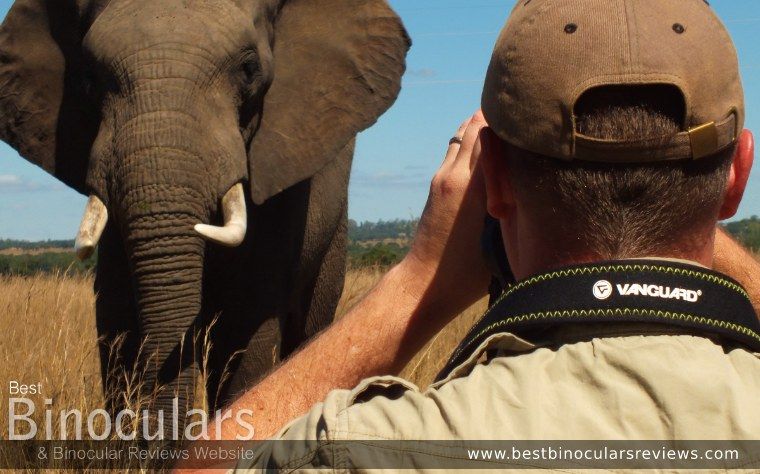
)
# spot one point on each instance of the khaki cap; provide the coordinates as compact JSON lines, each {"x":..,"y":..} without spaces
{"x":553,"y":51}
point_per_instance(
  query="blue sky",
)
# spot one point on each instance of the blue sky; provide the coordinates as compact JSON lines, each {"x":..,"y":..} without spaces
{"x":396,"y":158}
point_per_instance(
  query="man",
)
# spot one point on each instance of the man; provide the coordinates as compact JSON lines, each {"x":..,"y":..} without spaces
{"x":614,"y":144}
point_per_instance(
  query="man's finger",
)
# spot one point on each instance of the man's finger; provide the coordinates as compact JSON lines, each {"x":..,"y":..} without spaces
{"x":463,"y":127}
{"x":453,"y":149}
{"x":477,"y":122}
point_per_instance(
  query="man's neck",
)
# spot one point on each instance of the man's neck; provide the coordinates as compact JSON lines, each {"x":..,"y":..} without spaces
{"x":531,"y":256}
{"x":670,"y":259}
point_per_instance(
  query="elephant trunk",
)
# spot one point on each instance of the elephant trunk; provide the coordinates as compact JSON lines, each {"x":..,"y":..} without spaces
{"x":166,"y":258}
{"x":167,"y":270}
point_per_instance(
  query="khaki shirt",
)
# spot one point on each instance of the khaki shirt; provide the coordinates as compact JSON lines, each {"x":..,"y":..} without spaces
{"x":631,"y":383}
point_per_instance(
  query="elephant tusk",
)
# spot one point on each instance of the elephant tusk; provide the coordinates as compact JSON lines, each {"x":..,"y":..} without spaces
{"x":235,"y":220}
{"x":91,"y":228}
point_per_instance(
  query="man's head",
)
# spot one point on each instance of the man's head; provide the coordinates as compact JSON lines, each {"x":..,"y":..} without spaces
{"x":616,"y":136}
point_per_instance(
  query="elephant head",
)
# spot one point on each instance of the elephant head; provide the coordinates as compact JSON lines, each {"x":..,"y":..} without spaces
{"x":165,"y":113}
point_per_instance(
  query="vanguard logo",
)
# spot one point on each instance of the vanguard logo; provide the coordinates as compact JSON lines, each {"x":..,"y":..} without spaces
{"x":603,"y":290}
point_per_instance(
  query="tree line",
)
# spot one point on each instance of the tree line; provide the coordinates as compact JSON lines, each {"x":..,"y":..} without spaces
{"x":382,"y":243}
{"x":6,"y":244}
{"x":398,"y":228}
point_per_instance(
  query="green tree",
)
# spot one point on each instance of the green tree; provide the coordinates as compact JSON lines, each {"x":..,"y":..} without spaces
{"x":747,"y":231}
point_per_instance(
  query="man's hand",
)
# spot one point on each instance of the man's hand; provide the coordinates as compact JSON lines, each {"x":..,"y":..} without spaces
{"x":446,"y":253}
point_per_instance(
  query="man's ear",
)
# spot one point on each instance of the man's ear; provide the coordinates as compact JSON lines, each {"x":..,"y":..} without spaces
{"x":500,"y":197}
{"x":738,"y":175}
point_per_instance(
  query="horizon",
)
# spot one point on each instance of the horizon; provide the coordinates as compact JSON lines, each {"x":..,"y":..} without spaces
{"x":400,"y":221}
{"x":396,"y":158}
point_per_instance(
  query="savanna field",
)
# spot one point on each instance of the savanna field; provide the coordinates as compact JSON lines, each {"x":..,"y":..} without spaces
{"x":47,"y":325}
{"x":48,"y":336}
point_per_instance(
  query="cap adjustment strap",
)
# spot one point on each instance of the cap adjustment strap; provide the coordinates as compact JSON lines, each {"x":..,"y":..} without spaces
{"x":704,"y":140}
{"x":698,"y":142}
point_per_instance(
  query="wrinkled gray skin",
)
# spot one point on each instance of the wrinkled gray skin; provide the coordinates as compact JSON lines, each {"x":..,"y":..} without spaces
{"x":158,"y":108}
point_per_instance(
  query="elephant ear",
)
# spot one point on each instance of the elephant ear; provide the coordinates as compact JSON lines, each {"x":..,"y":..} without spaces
{"x":42,"y":114}
{"x":338,"y":67}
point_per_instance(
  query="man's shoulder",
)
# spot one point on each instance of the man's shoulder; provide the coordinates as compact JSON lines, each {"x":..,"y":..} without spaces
{"x":616,"y":387}
{"x":584,"y":389}
{"x":625,"y":387}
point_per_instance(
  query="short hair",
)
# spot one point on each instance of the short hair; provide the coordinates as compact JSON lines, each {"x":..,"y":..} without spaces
{"x":630,"y":210}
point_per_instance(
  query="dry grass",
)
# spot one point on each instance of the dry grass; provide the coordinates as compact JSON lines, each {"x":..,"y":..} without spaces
{"x":425,"y":365}
{"x":431,"y":359}
{"x":48,"y":336}
{"x":17,"y":251}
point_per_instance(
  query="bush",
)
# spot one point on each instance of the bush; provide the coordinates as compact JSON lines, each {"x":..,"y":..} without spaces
{"x":51,"y":262}
{"x":378,"y":255}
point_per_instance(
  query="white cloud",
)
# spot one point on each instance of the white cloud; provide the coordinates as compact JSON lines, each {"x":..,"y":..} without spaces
{"x":390,"y":180}
{"x":423,"y":73}
{"x":9,"y":180}
{"x":11,"y":183}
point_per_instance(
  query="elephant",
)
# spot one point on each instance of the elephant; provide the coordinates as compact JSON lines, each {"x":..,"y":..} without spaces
{"x":214,"y":139}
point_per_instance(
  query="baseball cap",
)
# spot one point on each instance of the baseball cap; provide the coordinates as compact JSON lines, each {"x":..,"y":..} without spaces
{"x":552,"y":52}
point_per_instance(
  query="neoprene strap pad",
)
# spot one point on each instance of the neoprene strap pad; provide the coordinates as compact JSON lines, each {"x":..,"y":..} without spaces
{"x":650,"y":291}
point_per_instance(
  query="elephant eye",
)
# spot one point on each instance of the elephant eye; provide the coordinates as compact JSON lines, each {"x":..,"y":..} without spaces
{"x":250,"y":72}
{"x":97,"y":82}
